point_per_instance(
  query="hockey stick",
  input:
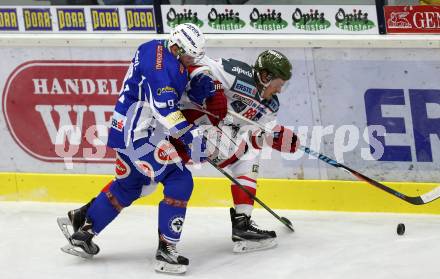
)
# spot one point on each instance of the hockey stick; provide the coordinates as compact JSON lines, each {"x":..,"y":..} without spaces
{"x":418,"y":200}
{"x":283,"y":220}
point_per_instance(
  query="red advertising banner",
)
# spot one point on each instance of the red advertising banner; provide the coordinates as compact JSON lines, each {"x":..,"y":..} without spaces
{"x":412,"y":19}
{"x":59,"y":109}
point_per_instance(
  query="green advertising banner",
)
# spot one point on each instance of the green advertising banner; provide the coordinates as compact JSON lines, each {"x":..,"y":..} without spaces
{"x":290,"y":19}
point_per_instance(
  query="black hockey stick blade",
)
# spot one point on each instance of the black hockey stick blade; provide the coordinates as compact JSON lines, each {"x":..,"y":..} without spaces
{"x":283,"y":220}
{"x":287,"y":222}
{"x":419,"y":200}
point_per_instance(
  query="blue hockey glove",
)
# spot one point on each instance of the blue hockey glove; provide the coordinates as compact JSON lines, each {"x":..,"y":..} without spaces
{"x":202,"y":87}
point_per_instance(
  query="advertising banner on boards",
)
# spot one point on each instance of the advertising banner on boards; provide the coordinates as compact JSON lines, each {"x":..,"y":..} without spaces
{"x":77,"y":19}
{"x":56,"y":90}
{"x":376,"y":110}
{"x":274,"y":19}
{"x":412,"y":19}
{"x":267,"y":19}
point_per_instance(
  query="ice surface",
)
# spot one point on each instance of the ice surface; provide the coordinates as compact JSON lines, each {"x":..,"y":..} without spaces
{"x":326,"y":245}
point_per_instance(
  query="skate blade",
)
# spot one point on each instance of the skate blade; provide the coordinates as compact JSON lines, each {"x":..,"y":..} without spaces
{"x":69,"y":249}
{"x":251,"y":246}
{"x":63,"y":223}
{"x":165,"y":267}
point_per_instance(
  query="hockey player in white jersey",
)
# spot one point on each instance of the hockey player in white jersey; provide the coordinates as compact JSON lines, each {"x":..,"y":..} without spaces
{"x":251,"y":92}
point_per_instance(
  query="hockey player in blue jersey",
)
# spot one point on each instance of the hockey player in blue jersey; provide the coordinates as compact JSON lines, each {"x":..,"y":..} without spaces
{"x":146,"y":116}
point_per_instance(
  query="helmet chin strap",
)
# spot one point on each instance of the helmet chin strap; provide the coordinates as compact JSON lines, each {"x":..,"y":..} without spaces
{"x":179,"y":51}
{"x":265,"y":85}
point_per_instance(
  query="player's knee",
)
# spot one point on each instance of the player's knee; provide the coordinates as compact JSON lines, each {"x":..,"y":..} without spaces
{"x":181,"y":187}
{"x":182,"y":191}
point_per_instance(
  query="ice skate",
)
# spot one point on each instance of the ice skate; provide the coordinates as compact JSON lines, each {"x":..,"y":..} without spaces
{"x":80,"y":234}
{"x":246,"y":235}
{"x":168,"y":260}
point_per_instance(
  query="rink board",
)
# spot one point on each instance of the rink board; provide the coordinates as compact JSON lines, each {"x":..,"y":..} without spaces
{"x":354,"y":196}
{"x":374,"y":109}
{"x":344,"y":87}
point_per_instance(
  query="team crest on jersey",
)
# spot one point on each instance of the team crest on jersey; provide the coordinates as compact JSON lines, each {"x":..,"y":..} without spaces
{"x":146,"y":168}
{"x":176,"y":224}
{"x":122,"y":169}
{"x":165,"y":153}
{"x":118,"y":121}
{"x":245,"y":88}
{"x":159,"y":57}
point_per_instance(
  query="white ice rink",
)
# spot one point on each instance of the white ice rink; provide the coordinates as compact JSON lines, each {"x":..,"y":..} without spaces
{"x":325,"y":245}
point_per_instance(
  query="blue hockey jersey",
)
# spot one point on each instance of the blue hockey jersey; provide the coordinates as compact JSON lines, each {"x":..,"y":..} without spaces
{"x":153,"y":85}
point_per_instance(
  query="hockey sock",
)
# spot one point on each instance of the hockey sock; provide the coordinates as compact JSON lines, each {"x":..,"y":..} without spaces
{"x":101,"y":213}
{"x":171,"y":217}
{"x":242,"y":202}
{"x":178,"y":187}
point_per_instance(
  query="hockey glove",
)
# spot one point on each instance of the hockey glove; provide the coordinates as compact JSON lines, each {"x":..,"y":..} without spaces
{"x":201,"y":88}
{"x":218,"y":106}
{"x":281,"y":139}
{"x":181,"y":150}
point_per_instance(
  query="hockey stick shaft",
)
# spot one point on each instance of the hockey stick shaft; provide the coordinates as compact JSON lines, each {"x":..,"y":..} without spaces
{"x":283,"y":220}
{"x":418,"y":200}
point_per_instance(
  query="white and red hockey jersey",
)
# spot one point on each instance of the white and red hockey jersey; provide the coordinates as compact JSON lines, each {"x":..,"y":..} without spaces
{"x":238,"y":82}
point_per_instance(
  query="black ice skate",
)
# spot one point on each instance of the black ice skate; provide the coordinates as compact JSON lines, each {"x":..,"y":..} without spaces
{"x":82,"y":234}
{"x":77,"y":216}
{"x":168,"y":259}
{"x":246,"y":235}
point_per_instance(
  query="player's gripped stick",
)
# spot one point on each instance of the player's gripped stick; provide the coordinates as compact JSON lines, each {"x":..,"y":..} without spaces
{"x":418,"y":200}
{"x":283,"y":220}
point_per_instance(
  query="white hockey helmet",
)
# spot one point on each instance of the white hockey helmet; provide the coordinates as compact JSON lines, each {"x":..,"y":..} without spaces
{"x":190,"y":40}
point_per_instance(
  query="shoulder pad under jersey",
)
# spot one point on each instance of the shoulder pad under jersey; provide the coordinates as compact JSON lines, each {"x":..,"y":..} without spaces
{"x":244,"y":77}
{"x":238,"y":69}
